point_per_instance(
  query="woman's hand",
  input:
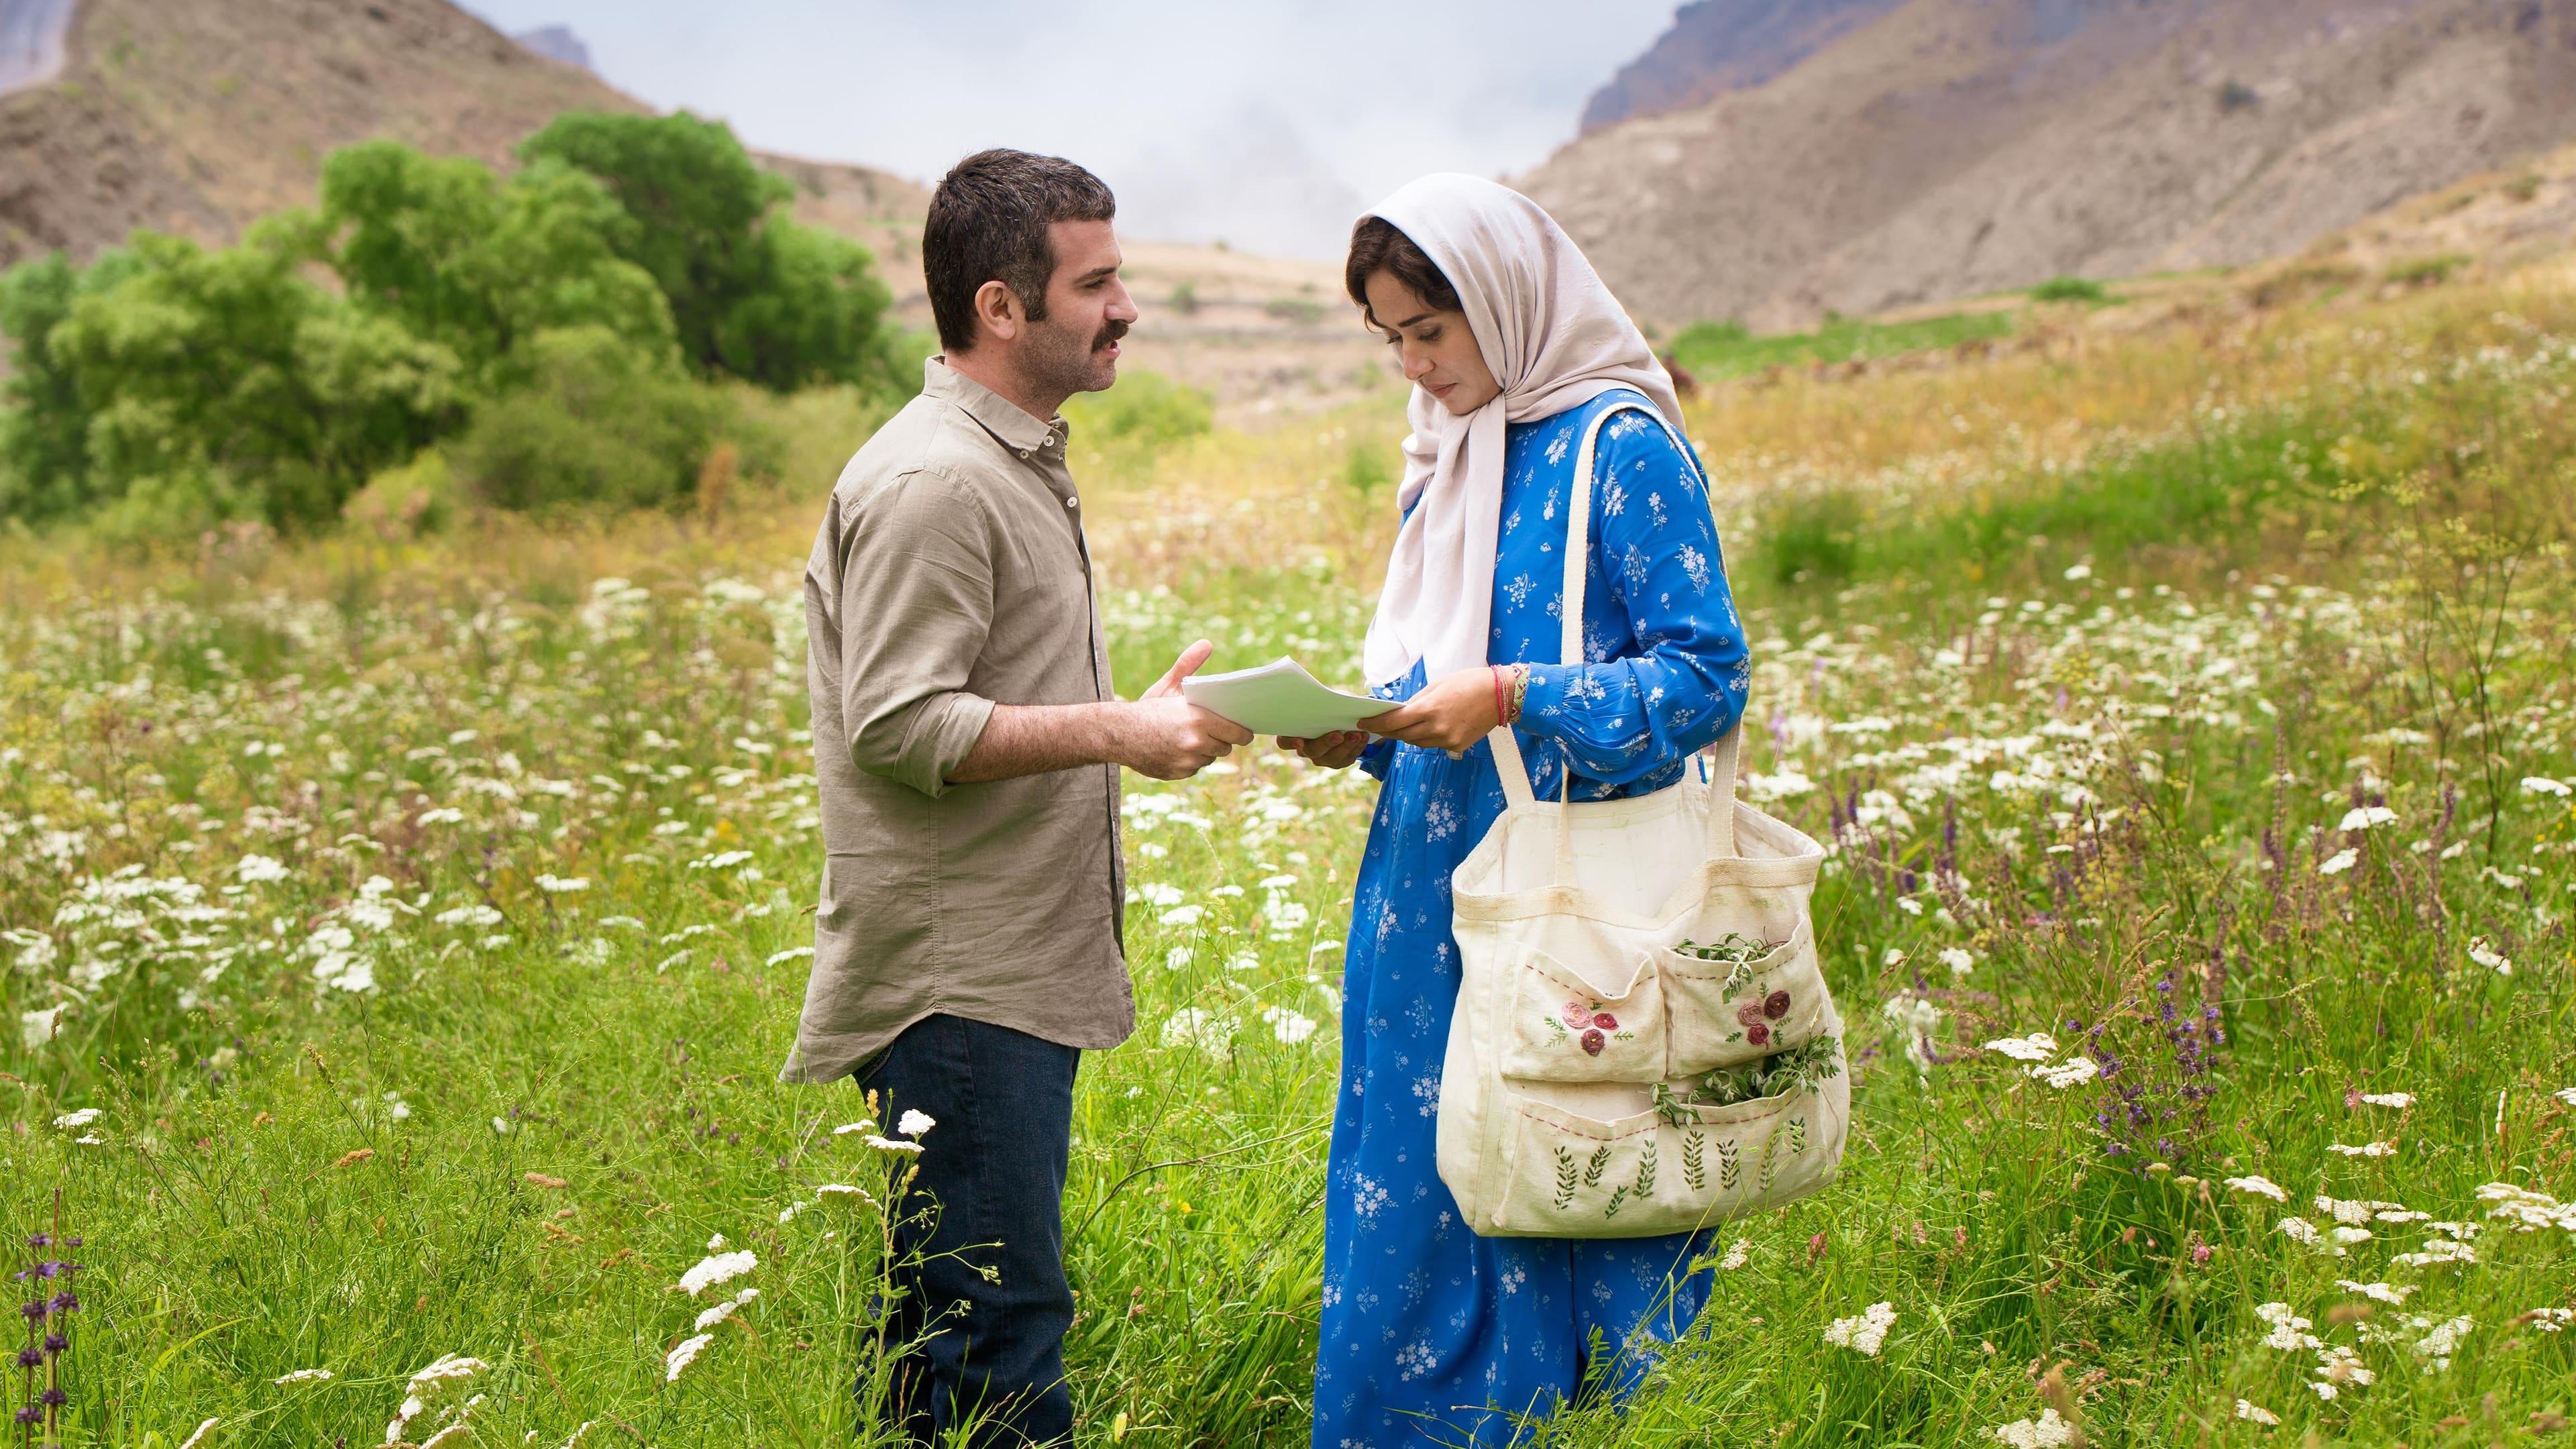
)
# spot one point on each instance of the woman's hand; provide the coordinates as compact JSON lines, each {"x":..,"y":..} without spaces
{"x":1334,"y":751}
{"x":1451,"y":713}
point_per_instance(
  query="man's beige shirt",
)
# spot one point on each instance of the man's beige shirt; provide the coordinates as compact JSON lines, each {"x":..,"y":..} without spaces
{"x":951,"y":574}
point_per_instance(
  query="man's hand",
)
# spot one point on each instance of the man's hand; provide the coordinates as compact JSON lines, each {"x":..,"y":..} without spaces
{"x":1451,"y":713}
{"x":1334,"y":751}
{"x":1164,"y":736}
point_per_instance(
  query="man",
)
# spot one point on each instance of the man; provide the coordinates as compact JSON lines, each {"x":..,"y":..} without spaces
{"x":967,"y":945}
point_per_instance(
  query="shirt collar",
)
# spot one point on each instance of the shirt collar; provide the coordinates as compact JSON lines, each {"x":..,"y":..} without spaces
{"x":997,"y":414}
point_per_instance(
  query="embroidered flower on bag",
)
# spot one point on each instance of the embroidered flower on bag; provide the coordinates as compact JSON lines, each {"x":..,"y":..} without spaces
{"x":1593,"y":1041}
{"x":1758,"y":1034}
{"x":1749,"y":1014}
{"x":1775,"y":1005}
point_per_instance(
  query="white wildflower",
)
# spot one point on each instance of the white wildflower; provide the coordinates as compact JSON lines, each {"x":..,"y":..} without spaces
{"x":2483,"y":952}
{"x":1209,"y":1031}
{"x":2305,"y":1234}
{"x":2437,"y":1252}
{"x":2255,"y":1413}
{"x":2071,"y":1072}
{"x":2365,"y":817}
{"x":726,"y":1309}
{"x":2039,"y":1046}
{"x":892,"y":1144}
{"x":2566,"y":1095}
{"x":203,"y":1430}
{"x":2367,"y":1149}
{"x":2442,"y":1341}
{"x":717,"y":1268}
{"x":864,"y":1124}
{"x":2339,"y":862}
{"x":2543,"y":785}
{"x":2289,"y":1331}
{"x":2551,"y":1320}
{"x":35,"y":1028}
{"x":1959,"y":959}
{"x":74,"y":1121}
{"x":1291,"y":1027}
{"x":914,"y":1122}
{"x":1182,"y":915}
{"x":1176,"y":958}
{"x":555,"y":885}
{"x":1738,"y":1253}
{"x":792,"y":953}
{"x":2393,"y":1295}
{"x":683,"y":1356}
{"x":258,"y":869}
{"x":2399,"y":1100}
{"x":2259,"y":1187}
{"x":303,"y":1376}
{"x":2045,"y":1432}
{"x":1864,"y":1333}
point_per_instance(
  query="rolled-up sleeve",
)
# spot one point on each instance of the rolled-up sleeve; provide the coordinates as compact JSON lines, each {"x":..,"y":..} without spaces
{"x":916,"y":606}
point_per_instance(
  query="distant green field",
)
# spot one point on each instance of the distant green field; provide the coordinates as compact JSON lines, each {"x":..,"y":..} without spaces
{"x":1728,"y":349}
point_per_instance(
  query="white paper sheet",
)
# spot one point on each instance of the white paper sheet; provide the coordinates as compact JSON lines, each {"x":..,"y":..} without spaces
{"x":1281,"y":698}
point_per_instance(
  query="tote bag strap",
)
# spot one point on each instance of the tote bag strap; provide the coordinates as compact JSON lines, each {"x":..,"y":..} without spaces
{"x":1508,"y":760}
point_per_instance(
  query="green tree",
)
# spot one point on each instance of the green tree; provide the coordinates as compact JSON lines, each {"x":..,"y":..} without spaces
{"x":44,"y":457}
{"x":224,"y":384}
{"x":752,"y":294}
{"x":477,"y":264}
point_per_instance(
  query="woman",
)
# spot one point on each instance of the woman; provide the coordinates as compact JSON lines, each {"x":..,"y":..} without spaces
{"x":1432,"y":1334}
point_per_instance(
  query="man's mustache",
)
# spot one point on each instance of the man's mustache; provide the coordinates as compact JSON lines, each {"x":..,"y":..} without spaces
{"x":1109,"y":334}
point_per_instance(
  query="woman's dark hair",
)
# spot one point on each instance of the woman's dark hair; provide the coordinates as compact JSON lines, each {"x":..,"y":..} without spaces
{"x":1378,"y":245}
{"x":988,"y":222}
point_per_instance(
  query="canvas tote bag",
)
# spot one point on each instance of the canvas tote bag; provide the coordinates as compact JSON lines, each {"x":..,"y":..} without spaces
{"x":1576,"y":1007}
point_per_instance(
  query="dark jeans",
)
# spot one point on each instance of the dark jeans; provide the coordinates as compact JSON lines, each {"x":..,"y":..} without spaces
{"x":990,"y":1196}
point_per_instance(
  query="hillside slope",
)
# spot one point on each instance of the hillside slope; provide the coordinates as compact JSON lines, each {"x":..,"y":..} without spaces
{"x":1716,"y":46}
{"x":196,"y":116}
{"x":1953,"y":147}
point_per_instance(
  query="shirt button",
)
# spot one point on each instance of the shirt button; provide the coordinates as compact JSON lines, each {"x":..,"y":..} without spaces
{"x":1073,"y":503}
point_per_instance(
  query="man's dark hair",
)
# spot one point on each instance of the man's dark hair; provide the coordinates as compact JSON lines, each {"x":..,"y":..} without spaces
{"x":988,"y":222}
{"x":1378,"y":245}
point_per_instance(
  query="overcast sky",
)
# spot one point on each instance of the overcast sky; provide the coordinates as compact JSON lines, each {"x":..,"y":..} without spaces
{"x":1270,"y":126}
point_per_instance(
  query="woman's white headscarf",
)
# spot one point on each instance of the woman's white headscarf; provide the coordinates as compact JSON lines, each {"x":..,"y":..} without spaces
{"x":1554,"y":338}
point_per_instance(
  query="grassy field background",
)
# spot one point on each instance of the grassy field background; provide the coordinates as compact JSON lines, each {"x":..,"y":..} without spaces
{"x":405,"y":933}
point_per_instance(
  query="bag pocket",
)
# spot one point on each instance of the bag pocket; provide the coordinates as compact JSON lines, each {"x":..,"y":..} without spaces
{"x":1563,"y":1030}
{"x":1574,"y":1176}
{"x":1726,"y":1015}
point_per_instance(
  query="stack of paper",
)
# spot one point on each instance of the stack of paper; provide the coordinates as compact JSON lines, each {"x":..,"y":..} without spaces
{"x":1281,"y":698}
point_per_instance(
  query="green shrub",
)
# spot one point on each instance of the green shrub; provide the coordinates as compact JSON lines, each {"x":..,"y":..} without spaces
{"x":2425,"y":271}
{"x":1710,"y":350}
{"x":1146,"y":410}
{"x":1811,"y":539}
{"x":419,"y":498}
{"x":2070,"y":289}
{"x":599,"y":422}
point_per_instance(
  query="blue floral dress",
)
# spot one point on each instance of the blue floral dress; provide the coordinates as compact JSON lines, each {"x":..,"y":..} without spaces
{"x":1431,"y":1334}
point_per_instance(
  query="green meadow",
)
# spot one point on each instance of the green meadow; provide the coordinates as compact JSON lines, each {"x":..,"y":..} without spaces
{"x":405,"y":929}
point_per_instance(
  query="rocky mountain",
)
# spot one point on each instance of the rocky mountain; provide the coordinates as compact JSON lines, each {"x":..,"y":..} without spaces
{"x":1716,"y":46}
{"x":556,"y":42}
{"x":197,"y":116}
{"x":1944,"y":148}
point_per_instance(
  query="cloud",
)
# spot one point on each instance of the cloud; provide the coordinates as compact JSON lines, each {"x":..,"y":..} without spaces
{"x":1271,"y":126}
